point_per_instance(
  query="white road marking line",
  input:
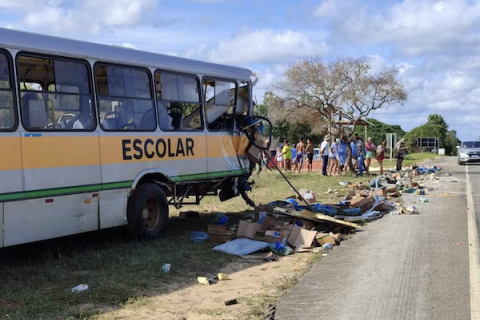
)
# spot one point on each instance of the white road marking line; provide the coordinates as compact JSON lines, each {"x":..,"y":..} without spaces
{"x":473,"y":252}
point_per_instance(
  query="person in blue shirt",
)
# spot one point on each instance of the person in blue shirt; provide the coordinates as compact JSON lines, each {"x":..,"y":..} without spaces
{"x":342,"y":151}
{"x":353,"y":146}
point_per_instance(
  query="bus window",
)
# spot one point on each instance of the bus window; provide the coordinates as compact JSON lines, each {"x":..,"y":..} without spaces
{"x":125,"y":99}
{"x":178,"y":99}
{"x":7,"y":112}
{"x":55,"y":94}
{"x":220,"y":100}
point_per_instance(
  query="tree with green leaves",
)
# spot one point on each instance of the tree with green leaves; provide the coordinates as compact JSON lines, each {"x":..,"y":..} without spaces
{"x":344,"y":86}
{"x":435,"y":127}
{"x":378,"y":130}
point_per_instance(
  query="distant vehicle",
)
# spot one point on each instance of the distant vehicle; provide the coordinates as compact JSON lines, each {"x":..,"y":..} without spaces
{"x":469,"y":151}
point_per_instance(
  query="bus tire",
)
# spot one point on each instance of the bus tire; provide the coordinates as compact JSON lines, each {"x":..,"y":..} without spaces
{"x":147,"y":211}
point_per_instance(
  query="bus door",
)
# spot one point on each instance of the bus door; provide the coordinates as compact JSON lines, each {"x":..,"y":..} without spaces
{"x":60,"y":151}
{"x":11,"y":184}
{"x":225,"y":144}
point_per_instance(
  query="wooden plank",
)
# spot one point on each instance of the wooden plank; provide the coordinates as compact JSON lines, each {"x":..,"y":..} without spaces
{"x":317,"y":217}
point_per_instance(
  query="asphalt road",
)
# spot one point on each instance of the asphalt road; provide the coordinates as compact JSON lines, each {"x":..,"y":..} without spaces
{"x":401,"y":266}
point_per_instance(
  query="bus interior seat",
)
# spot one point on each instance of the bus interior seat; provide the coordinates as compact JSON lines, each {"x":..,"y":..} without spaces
{"x":36,"y":111}
{"x":164,"y":117}
{"x":110,"y":123}
{"x":176,"y":113}
{"x":148,"y":120}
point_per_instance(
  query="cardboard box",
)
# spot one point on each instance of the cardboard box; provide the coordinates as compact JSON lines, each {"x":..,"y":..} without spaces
{"x":364,"y":194}
{"x":267,"y":223}
{"x":358,"y":202}
{"x":337,"y":236}
{"x":382,"y":192}
{"x":217,"y":230}
{"x":368,"y":204}
{"x":215,"y":238}
{"x":247,"y":229}
{"x":284,"y":230}
{"x":304,"y":239}
{"x":261,"y":208}
{"x":272,"y":236}
{"x":323,"y":238}
{"x":293,"y":235}
{"x":392,"y":189}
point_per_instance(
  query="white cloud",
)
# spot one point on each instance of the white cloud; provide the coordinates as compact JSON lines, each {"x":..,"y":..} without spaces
{"x":258,"y":46}
{"x":416,"y":26}
{"x":80,"y":16}
{"x":17,"y":5}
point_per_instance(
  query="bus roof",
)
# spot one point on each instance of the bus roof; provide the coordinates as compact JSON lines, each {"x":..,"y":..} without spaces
{"x":27,"y":41}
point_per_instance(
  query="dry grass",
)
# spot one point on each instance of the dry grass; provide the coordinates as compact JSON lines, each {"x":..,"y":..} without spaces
{"x":37,"y":278}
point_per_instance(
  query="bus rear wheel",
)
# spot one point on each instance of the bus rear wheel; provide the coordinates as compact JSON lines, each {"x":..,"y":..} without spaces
{"x":147,"y":211}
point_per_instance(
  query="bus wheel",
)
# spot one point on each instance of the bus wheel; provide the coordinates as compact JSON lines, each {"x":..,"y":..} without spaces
{"x":147,"y":212}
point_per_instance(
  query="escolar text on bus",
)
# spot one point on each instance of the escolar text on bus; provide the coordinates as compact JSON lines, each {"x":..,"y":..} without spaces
{"x":160,"y":148}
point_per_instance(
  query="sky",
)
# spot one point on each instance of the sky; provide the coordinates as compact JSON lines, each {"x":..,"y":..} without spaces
{"x":434,"y":44}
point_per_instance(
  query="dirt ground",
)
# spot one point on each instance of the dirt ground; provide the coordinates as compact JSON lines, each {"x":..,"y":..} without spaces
{"x":253,"y":283}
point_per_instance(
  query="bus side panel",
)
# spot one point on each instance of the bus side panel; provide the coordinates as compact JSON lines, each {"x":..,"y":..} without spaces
{"x":1,"y":225}
{"x":10,"y":164}
{"x":113,"y":208}
{"x":60,"y":160}
{"x":174,"y":154}
{"x":47,"y":218}
{"x":222,"y":154}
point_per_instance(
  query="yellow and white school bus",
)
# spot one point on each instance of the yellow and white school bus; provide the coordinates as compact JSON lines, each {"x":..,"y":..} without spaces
{"x":95,"y":136}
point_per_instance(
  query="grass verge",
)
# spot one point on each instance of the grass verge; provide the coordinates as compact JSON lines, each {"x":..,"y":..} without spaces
{"x":37,"y":278}
{"x":409,"y":159}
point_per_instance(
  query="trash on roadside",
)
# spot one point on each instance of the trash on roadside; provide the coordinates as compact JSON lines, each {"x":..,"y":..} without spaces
{"x":241,"y":246}
{"x":166,"y":267}
{"x":80,"y":288}
{"x":231,"y":302}
{"x":409,"y":210}
{"x":203,"y":280}
{"x":222,"y":276}
{"x":425,"y":200}
{"x":219,"y":234}
{"x":189,"y":214}
{"x":327,"y":246}
{"x":199,"y":237}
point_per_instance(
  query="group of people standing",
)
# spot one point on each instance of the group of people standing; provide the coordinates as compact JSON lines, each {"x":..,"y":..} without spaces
{"x":334,"y":155}
{"x":287,"y":155}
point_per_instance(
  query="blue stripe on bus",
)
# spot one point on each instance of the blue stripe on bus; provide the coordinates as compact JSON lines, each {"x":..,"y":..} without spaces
{"x":35,"y":135}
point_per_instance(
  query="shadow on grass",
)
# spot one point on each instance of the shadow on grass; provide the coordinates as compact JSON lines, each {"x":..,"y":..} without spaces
{"x":37,"y":278}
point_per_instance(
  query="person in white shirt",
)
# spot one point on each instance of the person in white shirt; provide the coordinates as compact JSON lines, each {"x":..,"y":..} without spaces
{"x":324,"y":153}
{"x":333,"y":161}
